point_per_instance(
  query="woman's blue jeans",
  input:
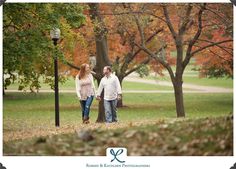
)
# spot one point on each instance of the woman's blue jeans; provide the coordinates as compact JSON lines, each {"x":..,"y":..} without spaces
{"x":85,"y":106}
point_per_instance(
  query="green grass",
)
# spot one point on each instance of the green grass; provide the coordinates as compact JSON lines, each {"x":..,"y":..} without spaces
{"x":143,"y":86}
{"x":28,"y":119}
{"x":70,"y":85}
{"x":219,"y":82}
{"x":191,"y":76}
{"x":22,"y":111}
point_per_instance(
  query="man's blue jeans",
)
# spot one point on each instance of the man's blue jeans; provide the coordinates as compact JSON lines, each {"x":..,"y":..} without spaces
{"x":110,"y":110}
{"x":85,"y":106}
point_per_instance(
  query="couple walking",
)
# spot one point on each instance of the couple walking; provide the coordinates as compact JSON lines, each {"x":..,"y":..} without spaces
{"x":86,"y":92}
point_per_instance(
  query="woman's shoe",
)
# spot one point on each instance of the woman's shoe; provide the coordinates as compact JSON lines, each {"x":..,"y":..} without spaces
{"x":86,"y":121}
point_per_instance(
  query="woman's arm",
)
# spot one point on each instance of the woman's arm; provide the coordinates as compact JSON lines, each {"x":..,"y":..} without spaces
{"x":77,"y":86}
{"x":93,"y":85}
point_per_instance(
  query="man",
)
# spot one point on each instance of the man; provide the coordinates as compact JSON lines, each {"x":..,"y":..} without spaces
{"x":112,"y":93}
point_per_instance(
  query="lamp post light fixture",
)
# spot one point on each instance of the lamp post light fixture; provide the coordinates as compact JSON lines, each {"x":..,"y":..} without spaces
{"x":55,"y":36}
{"x":92,"y":61}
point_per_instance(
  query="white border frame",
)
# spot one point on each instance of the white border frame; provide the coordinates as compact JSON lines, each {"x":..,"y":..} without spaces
{"x":162,"y":162}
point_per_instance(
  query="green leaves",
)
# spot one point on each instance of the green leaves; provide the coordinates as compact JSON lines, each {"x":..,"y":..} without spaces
{"x":143,"y":71}
{"x":28,"y":49}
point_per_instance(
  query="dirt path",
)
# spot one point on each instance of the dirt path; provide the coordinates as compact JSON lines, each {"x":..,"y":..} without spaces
{"x":188,"y":88}
{"x":196,"y":88}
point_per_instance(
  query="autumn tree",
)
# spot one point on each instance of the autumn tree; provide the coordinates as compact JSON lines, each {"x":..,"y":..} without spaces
{"x":119,"y":52}
{"x":27,"y":47}
{"x":112,"y":47}
{"x":217,"y":61}
{"x":187,"y":25}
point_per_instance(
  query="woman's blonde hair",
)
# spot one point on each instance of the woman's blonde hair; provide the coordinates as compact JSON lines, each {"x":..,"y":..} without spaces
{"x":82,"y":72}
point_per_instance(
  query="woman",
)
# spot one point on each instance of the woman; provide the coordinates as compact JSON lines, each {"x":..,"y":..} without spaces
{"x":85,"y":90}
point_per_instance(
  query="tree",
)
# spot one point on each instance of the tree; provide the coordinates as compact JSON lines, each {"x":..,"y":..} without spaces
{"x":27,"y":48}
{"x":101,"y":51}
{"x":218,"y":61}
{"x":99,"y":27}
{"x":186,"y":24}
{"x":121,"y":53}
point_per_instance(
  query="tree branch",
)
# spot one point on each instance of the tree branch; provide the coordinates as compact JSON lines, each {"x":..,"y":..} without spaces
{"x":186,"y":20}
{"x":170,"y":26}
{"x":210,"y":45}
{"x":158,"y":17}
{"x":221,"y":47}
{"x":196,"y":36}
{"x":146,"y":61}
{"x":140,"y":30}
{"x":128,"y":58}
{"x":122,"y":13}
{"x":72,"y":66}
{"x":221,"y":57}
{"x":165,"y":64}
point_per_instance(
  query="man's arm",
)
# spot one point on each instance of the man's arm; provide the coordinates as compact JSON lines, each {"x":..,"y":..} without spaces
{"x":118,"y":88}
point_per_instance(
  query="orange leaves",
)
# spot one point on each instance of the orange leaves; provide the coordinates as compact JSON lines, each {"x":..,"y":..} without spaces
{"x":122,"y":32}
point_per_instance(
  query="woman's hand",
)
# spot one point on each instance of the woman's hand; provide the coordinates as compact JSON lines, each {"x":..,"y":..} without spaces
{"x":98,"y":98}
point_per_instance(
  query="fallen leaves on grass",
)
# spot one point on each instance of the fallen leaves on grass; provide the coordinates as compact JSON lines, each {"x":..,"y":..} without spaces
{"x":207,"y":136}
{"x":47,"y":129}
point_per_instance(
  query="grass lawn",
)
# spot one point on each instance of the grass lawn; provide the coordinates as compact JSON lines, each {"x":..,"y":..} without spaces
{"x":220,"y":82}
{"x":28,"y":125}
{"x":143,"y":86}
{"x":70,"y":84}
{"x":191,"y":76}
{"x":24,"y":112}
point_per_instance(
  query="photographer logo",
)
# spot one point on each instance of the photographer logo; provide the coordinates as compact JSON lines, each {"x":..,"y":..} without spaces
{"x":116,"y":154}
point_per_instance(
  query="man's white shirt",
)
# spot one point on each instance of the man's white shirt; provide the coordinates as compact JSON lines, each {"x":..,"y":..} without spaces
{"x":111,"y":86}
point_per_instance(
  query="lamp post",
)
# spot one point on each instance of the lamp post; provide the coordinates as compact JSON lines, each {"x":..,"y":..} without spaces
{"x":55,"y":35}
{"x":92,"y":61}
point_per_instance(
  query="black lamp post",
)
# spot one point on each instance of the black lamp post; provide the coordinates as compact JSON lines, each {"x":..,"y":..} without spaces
{"x":55,"y":35}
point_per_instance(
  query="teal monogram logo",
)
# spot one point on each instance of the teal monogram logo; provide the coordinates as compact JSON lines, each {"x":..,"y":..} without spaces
{"x":116,"y":154}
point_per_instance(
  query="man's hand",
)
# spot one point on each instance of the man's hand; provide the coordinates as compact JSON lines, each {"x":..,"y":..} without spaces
{"x":119,"y":97}
{"x":98,"y":98}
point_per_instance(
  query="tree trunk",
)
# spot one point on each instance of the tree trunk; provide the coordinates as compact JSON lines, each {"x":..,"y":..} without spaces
{"x":120,"y":102}
{"x":178,"y":81}
{"x":101,"y":51}
{"x":179,"y":99}
{"x":101,"y":111}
